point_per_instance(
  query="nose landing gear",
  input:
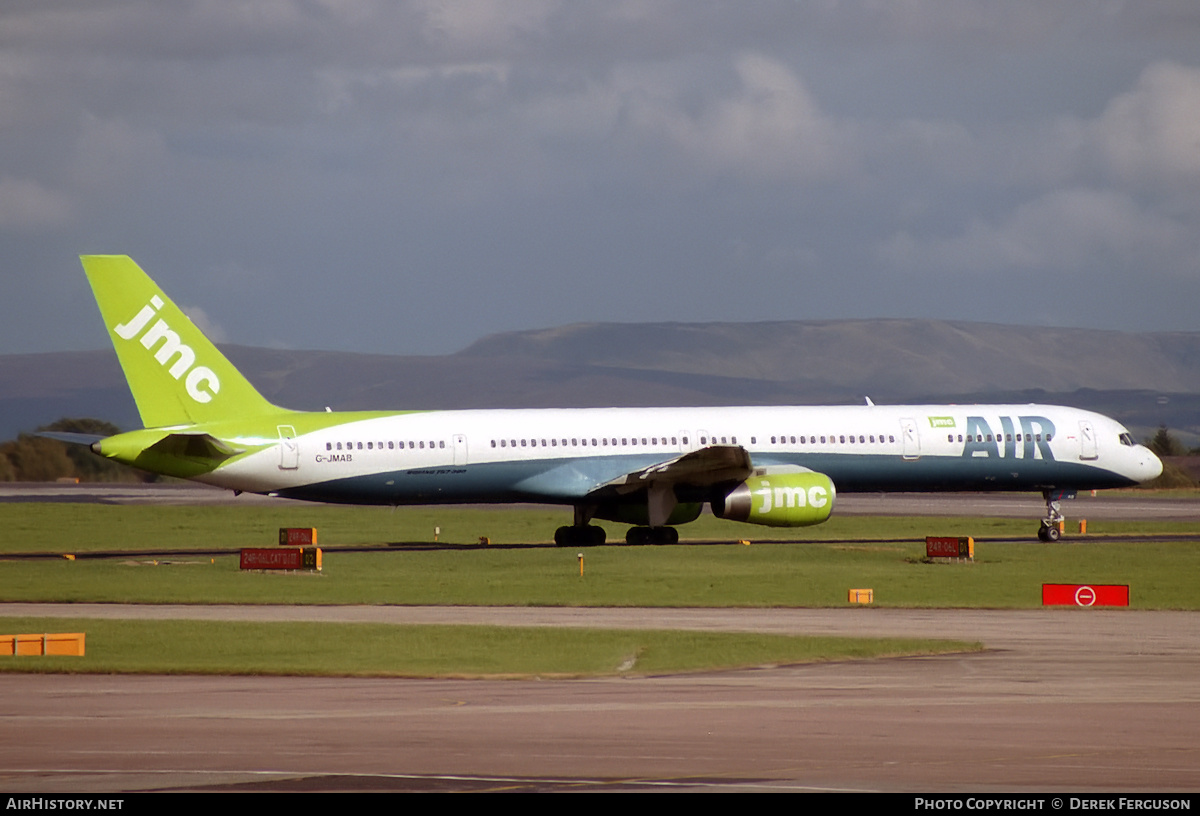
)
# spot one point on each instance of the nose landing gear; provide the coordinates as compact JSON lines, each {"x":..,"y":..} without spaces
{"x":1051,"y":528}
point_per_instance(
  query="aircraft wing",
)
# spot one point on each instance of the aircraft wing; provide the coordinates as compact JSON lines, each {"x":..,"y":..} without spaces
{"x":595,"y":481}
{"x":704,"y":467}
{"x":701,"y":468}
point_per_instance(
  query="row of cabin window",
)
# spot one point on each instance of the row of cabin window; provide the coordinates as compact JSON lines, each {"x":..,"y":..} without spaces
{"x":1007,"y":437}
{"x":840,"y":439}
{"x":595,"y":443}
{"x":391,"y":445}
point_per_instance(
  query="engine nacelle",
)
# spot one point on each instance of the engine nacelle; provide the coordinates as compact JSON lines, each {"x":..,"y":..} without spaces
{"x":779,"y":500}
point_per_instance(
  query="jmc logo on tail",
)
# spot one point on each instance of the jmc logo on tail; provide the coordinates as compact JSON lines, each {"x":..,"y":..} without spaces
{"x":172,"y":346}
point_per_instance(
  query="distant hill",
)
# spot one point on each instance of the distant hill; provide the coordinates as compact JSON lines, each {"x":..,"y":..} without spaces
{"x":895,"y":357}
{"x":1143,"y":379}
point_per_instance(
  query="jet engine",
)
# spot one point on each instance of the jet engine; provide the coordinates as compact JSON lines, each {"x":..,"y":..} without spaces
{"x":779,"y":500}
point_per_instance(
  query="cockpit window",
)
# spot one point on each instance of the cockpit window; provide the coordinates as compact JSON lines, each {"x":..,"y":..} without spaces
{"x":1127,"y":439}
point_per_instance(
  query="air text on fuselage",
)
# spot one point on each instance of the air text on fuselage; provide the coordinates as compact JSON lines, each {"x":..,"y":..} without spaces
{"x":1028,"y":438}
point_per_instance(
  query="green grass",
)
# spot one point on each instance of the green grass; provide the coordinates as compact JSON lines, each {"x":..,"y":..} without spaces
{"x":193,"y":647}
{"x":79,"y":528}
{"x":1005,"y":575}
{"x":800,"y":573}
{"x":814,"y":567}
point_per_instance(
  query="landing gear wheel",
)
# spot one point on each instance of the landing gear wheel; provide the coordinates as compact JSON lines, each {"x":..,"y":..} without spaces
{"x":587,"y":535}
{"x":652,"y":535}
{"x":1050,"y":531}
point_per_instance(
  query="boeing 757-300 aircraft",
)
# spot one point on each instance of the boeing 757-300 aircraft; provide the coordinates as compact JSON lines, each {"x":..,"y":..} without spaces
{"x":649,"y":467}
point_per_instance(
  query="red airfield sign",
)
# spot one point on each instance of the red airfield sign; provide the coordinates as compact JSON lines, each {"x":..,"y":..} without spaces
{"x":1085,"y":595}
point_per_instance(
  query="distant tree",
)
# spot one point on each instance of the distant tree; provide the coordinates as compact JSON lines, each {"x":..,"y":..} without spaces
{"x":87,"y":466}
{"x":1163,"y":444}
{"x":30,"y":458}
{"x":33,"y":459}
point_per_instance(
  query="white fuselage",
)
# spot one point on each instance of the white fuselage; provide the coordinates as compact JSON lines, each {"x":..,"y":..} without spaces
{"x":560,"y":455}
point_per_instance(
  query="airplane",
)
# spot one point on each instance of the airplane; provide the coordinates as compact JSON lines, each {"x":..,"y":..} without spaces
{"x":652,"y":468}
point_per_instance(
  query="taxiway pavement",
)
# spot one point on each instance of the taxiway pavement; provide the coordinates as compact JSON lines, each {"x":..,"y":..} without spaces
{"x":1062,"y":700}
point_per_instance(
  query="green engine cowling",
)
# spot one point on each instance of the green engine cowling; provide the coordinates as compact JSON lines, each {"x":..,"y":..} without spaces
{"x":780,"y":500}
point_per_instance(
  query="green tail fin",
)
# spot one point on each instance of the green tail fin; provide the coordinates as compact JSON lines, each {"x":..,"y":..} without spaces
{"x":177,"y":376}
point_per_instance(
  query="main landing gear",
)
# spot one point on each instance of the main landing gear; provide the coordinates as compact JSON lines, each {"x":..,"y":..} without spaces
{"x":584,"y":534}
{"x":579,"y":535}
{"x":652,"y":535}
{"x":589,"y":535}
{"x":1050,"y":530}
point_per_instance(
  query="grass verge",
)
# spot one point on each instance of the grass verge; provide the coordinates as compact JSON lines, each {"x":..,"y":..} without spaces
{"x":378,"y":650}
{"x":1007,"y":575}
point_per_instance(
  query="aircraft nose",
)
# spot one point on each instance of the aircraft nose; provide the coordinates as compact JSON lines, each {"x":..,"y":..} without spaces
{"x":1150,"y":467}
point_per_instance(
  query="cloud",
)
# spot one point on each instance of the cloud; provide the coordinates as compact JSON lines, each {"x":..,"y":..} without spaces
{"x":1151,"y":134}
{"x":29,"y":206}
{"x":212,"y":330}
{"x":1061,"y":231}
{"x":765,"y":126}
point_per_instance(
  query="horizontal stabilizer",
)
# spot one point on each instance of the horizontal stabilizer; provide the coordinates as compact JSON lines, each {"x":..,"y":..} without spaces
{"x":72,"y":438}
{"x":195,"y":446}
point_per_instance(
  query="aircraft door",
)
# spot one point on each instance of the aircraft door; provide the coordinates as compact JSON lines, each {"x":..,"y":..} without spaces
{"x":910,"y":438}
{"x":1088,"y":447}
{"x":460,"y":449}
{"x":289,"y":449}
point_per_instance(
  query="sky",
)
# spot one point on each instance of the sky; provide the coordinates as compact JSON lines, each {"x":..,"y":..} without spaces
{"x":407,"y":177}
